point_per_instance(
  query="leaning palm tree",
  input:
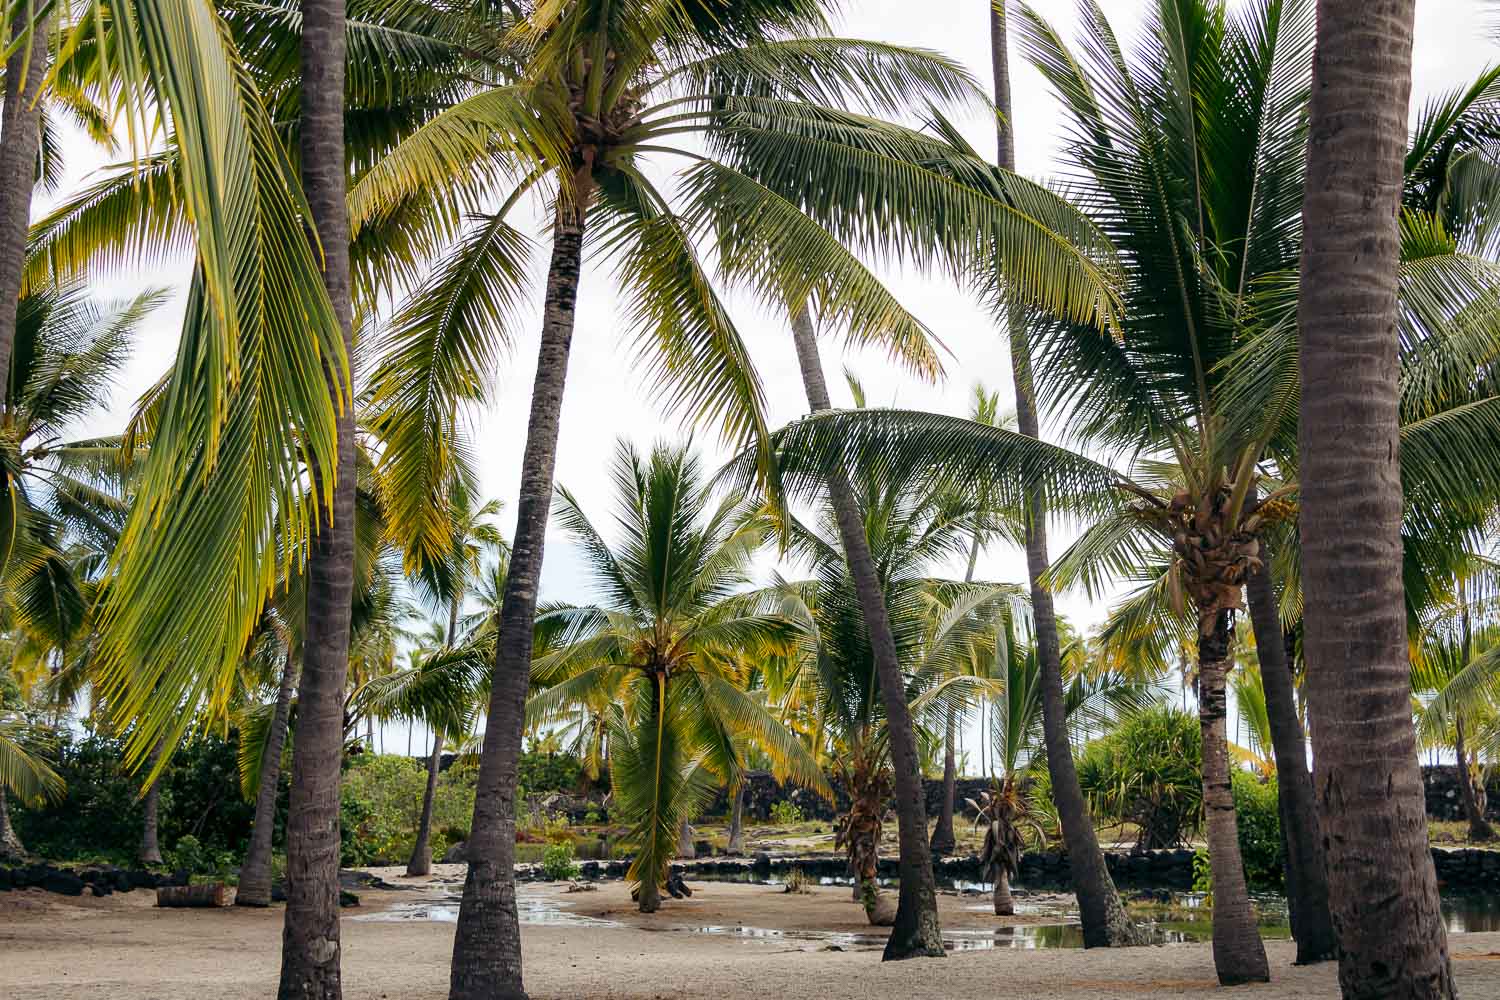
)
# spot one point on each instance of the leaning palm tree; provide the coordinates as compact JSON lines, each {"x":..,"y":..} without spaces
{"x":669,"y":646}
{"x":1104,"y":920}
{"x":937,"y":627}
{"x":1383,"y":889}
{"x":595,"y":89}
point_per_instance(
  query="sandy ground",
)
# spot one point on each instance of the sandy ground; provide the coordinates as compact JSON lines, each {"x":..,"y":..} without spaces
{"x":124,"y":948}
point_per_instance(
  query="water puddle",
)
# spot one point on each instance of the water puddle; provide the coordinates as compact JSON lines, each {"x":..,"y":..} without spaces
{"x":532,"y":909}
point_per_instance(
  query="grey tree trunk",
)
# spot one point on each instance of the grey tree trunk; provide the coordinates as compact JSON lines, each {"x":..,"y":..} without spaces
{"x":1381,"y":885}
{"x":310,"y":942}
{"x":150,"y":851}
{"x":917,"y":931}
{"x":1306,"y":876}
{"x":255,"y":874}
{"x":1105,"y":923}
{"x":420,"y":862}
{"x":487,"y":946}
{"x":943,"y":841}
{"x":1005,"y":906}
{"x":1473,"y":797}
{"x":1239,"y":955}
{"x":20,"y":137}
{"x":11,"y":848}
{"x":737,"y":821}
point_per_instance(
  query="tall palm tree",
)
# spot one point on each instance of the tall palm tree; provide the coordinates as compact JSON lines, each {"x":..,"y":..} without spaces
{"x":670,"y":646}
{"x":310,"y":951}
{"x":599,"y":88}
{"x":20,"y":137}
{"x":1104,"y":919}
{"x":1383,"y":890}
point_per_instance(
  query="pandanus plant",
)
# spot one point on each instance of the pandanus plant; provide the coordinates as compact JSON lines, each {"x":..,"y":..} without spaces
{"x":1006,"y":812}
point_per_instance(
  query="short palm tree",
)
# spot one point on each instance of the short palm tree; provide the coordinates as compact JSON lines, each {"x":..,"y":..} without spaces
{"x":669,"y":646}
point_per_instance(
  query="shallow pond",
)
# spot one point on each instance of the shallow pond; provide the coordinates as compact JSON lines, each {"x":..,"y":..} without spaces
{"x":1187,"y":920}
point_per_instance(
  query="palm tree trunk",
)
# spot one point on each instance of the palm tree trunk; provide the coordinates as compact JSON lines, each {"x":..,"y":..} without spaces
{"x":943,"y":841}
{"x":1005,"y":906}
{"x":420,"y":862}
{"x":310,"y":948}
{"x":1105,"y":923}
{"x":487,"y":945}
{"x":1306,"y":876}
{"x":1479,"y":828}
{"x":150,"y":852}
{"x":11,"y":848}
{"x":1381,"y":884}
{"x":20,"y":137}
{"x":1239,"y":955}
{"x":255,"y":873}
{"x":916,"y":931}
{"x":737,"y":820}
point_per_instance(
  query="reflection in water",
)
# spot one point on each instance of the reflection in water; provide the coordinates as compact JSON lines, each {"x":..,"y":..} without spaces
{"x":532,"y":909}
{"x":1462,"y":914}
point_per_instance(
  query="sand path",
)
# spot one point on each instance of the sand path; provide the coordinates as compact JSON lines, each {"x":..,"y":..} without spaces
{"x":124,"y":948}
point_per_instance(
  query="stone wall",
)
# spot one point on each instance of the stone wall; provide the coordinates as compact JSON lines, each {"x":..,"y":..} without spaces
{"x":1445,"y":801}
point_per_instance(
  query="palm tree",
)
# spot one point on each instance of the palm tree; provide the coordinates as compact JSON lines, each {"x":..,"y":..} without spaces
{"x":1382,"y":887}
{"x":1005,"y":811}
{"x":600,"y":87}
{"x":20,"y":128}
{"x":1104,"y":919}
{"x":310,"y":940}
{"x":24,"y":773}
{"x":936,"y":627}
{"x":446,"y":582}
{"x":669,"y":648}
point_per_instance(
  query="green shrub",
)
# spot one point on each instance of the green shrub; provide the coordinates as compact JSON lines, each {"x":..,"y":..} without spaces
{"x":1257,"y":812}
{"x":1147,"y":772}
{"x":549,"y":772}
{"x":189,"y":854}
{"x":381,"y":805}
{"x":785,"y":813}
{"x":1203,"y":876}
{"x":101,"y":816}
{"x":558,"y":863}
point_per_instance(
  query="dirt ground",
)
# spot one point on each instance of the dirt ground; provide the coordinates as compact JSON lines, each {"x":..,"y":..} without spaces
{"x":124,"y":948}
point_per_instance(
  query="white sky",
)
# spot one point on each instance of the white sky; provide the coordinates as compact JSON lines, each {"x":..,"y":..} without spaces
{"x":605,"y":400}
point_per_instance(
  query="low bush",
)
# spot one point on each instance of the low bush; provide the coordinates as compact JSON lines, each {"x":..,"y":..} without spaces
{"x":558,"y":863}
{"x":1257,"y":811}
{"x":1146,"y":772}
{"x":785,"y":813}
{"x":381,"y":805}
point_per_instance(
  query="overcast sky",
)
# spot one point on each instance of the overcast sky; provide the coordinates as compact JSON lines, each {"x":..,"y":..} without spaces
{"x":605,"y":400}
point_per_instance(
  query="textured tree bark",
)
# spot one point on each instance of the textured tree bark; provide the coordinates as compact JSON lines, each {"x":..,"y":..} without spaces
{"x":1306,"y":876}
{"x":150,"y":852}
{"x":1239,"y":955}
{"x":420,"y":862}
{"x":1005,"y":906}
{"x":1105,"y":923}
{"x":1381,"y":885}
{"x":917,"y":931}
{"x":737,"y":821}
{"x":487,"y":945}
{"x":255,"y":874}
{"x":310,"y":943}
{"x":20,"y":137}
{"x":11,"y":848}
{"x":943,"y":841}
{"x":1473,"y":798}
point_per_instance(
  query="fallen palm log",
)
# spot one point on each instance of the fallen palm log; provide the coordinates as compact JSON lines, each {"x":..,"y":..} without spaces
{"x":205,"y":894}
